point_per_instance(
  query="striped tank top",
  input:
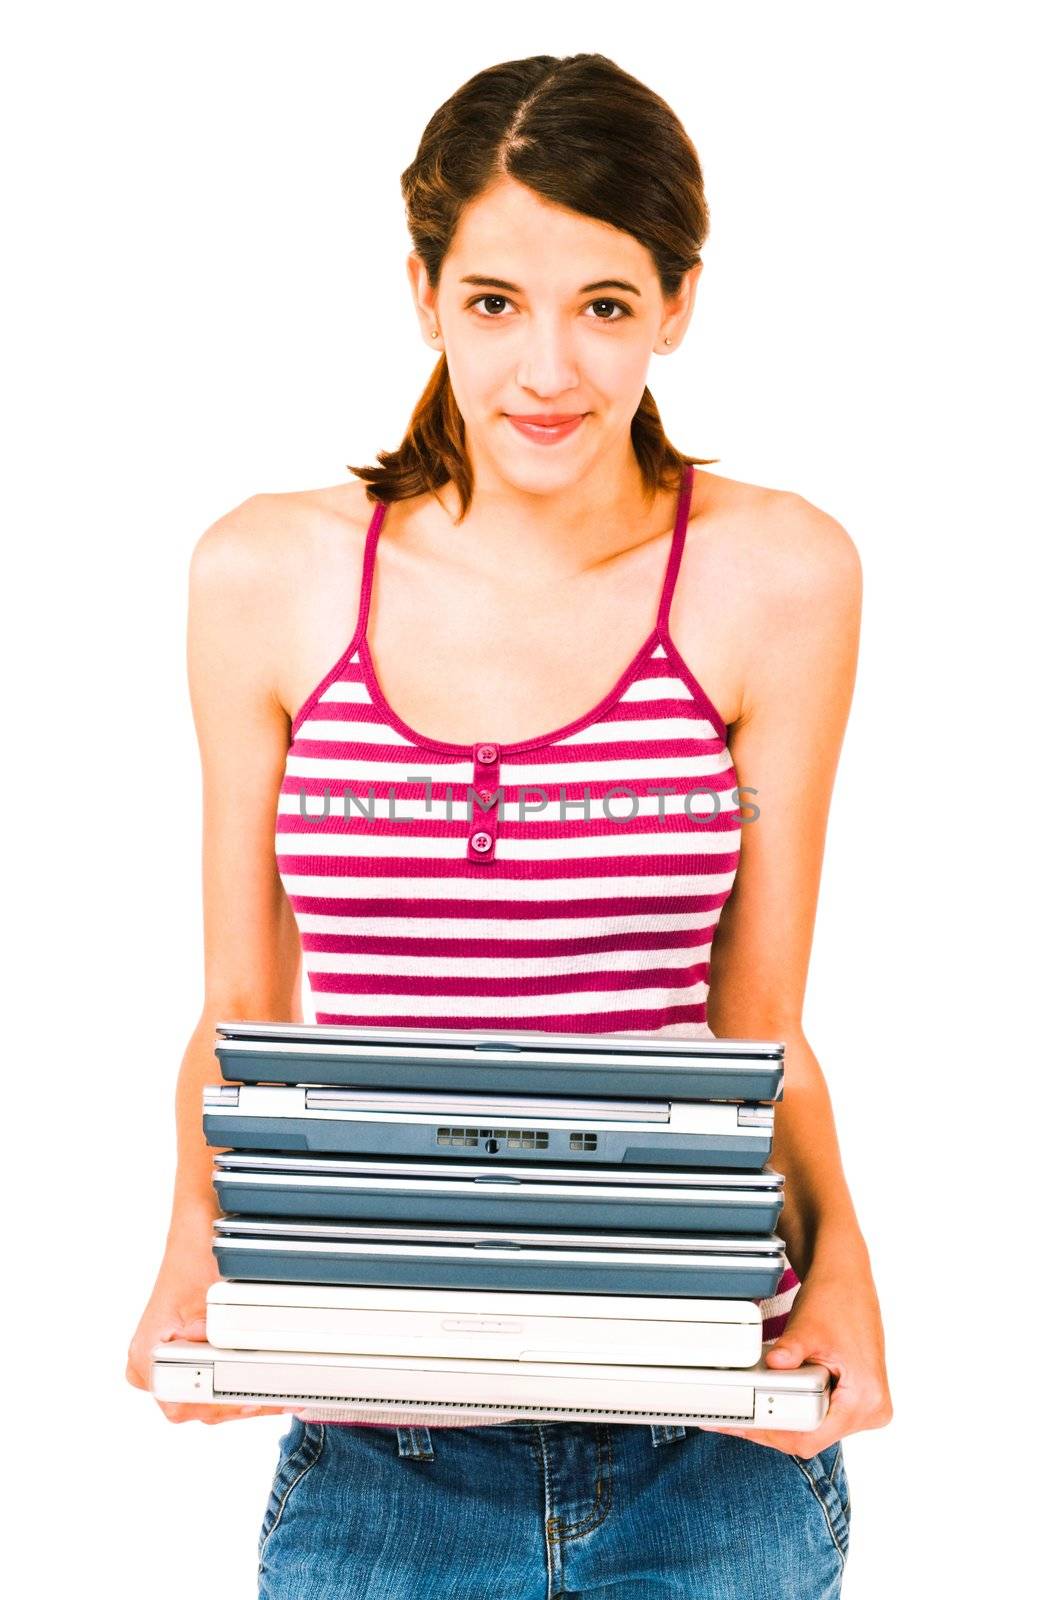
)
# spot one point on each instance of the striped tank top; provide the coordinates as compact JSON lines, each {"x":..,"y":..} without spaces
{"x":572,"y":881}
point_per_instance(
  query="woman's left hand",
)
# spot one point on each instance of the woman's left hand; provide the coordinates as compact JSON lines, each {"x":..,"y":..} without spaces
{"x":834,"y":1321}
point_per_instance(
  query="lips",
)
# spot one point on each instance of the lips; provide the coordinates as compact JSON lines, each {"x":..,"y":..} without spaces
{"x":547,"y":428}
{"x":545,"y":419}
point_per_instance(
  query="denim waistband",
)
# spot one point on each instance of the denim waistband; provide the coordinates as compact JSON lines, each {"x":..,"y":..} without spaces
{"x":418,"y":1443}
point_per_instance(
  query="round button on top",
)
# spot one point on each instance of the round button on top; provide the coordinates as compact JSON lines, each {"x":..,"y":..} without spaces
{"x":487,"y":753}
{"x":481,"y":841}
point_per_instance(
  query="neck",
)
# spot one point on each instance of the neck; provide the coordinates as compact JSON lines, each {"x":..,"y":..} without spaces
{"x":600,"y":515}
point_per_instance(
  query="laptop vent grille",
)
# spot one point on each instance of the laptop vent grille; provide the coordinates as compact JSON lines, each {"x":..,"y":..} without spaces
{"x":583,"y":1141}
{"x":443,"y":1407}
{"x":512,"y":1138}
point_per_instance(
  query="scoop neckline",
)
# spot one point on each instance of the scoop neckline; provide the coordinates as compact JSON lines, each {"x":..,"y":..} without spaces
{"x":658,"y":634}
{"x":368,"y":669}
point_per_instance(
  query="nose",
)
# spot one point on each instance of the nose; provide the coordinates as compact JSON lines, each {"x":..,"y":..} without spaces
{"x":546,"y":364}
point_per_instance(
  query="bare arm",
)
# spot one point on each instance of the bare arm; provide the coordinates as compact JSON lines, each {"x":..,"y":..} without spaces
{"x":251,"y":946}
{"x":786,"y":746}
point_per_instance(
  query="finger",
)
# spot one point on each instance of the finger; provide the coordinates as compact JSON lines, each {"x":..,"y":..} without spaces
{"x":787,"y":1352}
{"x":179,"y":1411}
{"x":799,"y":1345}
{"x":138,"y":1371}
{"x":785,"y":1440}
{"x":795,"y":1444}
{"x":754,"y":1435}
{"x":202,"y":1413}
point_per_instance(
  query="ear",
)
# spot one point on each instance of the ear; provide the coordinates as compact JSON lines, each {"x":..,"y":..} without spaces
{"x":424,"y":299}
{"x":678,"y":309}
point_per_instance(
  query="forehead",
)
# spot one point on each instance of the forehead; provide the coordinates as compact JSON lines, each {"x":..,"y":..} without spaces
{"x":514,"y":233}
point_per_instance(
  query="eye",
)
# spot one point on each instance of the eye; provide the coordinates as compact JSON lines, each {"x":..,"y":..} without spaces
{"x":619,"y":304}
{"x":481,"y":298}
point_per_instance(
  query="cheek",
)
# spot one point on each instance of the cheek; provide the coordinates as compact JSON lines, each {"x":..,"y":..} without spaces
{"x":618,"y":372}
{"x":480,"y":380}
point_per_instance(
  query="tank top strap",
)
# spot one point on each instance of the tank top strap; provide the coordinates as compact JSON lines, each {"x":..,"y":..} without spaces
{"x":368,"y":567}
{"x":678,"y":540}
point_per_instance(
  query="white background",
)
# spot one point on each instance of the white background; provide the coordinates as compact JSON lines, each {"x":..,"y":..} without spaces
{"x":205,"y":299}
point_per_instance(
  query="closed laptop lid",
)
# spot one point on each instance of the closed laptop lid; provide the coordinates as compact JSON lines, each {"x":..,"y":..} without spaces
{"x":485,"y":1039}
{"x":486,"y":1303}
{"x":509,"y":1176}
{"x":498,"y":1238}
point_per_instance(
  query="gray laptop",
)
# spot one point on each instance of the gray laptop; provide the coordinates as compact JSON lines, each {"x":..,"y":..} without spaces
{"x":549,"y":1261}
{"x":410,"y":1124}
{"x":340,"y":1188}
{"x":501,"y":1061}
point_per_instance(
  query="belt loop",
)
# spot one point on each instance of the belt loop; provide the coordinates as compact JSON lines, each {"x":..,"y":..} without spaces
{"x":415,"y":1443}
{"x":666,"y":1432}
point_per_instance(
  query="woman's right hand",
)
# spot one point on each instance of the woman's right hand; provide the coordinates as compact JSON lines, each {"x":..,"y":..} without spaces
{"x":176,"y":1310}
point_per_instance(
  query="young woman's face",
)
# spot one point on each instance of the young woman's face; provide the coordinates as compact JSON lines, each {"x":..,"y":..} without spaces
{"x":546,"y":313}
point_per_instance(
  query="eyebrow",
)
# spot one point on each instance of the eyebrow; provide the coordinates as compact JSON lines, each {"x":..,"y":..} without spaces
{"x":502,"y":283}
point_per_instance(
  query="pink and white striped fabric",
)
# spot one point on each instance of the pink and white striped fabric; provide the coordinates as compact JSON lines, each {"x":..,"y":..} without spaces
{"x":572,"y":881}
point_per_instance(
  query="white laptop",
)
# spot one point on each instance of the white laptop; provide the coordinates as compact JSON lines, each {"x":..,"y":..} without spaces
{"x":640,"y":1330}
{"x":396,"y":1389}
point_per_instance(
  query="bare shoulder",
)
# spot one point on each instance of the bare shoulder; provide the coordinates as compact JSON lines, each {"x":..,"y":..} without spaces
{"x":275,"y":572}
{"x":269,"y":536}
{"x":767,"y":561}
{"x":780,"y":546}
{"x":764,"y":573}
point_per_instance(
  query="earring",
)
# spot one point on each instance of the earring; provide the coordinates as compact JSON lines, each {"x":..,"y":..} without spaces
{"x":667,"y":341}
{"x":434,"y":333}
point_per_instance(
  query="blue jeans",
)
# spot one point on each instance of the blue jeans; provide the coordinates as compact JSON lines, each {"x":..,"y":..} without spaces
{"x":530,"y":1511}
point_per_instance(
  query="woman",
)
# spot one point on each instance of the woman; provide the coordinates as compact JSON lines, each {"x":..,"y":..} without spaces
{"x":536,"y":522}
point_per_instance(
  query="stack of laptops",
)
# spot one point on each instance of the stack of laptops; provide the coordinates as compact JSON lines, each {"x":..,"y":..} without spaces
{"x":462,"y":1222}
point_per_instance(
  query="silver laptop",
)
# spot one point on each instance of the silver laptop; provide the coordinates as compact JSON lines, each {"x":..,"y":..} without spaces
{"x":397,"y":1389}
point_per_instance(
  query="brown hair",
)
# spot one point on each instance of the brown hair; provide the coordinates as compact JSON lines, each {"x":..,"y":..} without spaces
{"x":580,"y":132}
